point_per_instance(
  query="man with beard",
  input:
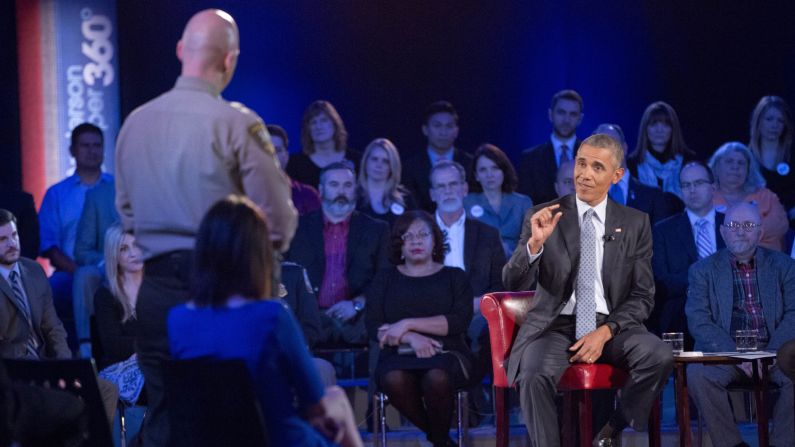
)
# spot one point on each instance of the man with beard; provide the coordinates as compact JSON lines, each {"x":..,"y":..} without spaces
{"x":472,"y":246}
{"x":341,"y":250}
{"x":539,"y":165}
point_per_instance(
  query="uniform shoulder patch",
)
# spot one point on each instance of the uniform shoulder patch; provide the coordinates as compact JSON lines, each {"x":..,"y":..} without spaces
{"x":239,"y":106}
{"x":260,"y":133}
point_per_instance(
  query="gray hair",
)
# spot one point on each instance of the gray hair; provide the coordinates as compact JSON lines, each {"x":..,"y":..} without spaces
{"x":447,"y":164}
{"x":753,"y":180}
{"x":604,"y":141}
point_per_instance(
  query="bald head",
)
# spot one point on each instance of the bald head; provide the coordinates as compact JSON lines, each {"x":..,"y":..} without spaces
{"x":209,"y":47}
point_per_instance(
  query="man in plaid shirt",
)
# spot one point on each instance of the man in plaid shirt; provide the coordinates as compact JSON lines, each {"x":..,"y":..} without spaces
{"x":742,"y":287}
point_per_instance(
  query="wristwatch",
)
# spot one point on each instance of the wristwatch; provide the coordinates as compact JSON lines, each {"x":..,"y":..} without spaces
{"x":358,"y":306}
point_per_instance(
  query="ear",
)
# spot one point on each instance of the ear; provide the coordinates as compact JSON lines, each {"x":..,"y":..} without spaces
{"x":466,"y":187}
{"x":425,"y":129}
{"x":179,"y":50}
{"x":582,"y":115}
{"x":549,"y":114}
{"x":618,"y":175}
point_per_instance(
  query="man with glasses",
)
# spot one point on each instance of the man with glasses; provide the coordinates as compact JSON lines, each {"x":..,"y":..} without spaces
{"x":742,"y":287}
{"x":680,"y":241}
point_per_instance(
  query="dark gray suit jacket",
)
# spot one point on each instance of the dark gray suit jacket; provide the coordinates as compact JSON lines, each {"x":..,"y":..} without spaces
{"x":710,"y":299}
{"x":484,"y":257}
{"x":626,"y":271}
{"x":15,"y":330}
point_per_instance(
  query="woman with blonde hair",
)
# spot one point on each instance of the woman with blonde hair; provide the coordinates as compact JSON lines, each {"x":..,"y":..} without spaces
{"x":114,"y":307}
{"x":661,"y":149}
{"x":381,"y":195}
{"x":771,"y":144}
{"x":324,"y":140}
{"x":738,"y":179}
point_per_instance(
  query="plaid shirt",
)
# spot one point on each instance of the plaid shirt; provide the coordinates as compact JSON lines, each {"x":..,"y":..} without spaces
{"x":334,"y":286}
{"x":747,"y":309}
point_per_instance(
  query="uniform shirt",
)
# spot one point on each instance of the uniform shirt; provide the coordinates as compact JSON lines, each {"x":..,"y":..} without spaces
{"x":180,"y":153}
{"x":60,"y":213}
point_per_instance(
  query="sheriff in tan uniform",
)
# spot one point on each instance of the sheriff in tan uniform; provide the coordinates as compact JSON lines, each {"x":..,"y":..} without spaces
{"x":175,"y":157}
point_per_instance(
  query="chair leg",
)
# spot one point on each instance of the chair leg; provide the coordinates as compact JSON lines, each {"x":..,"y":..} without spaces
{"x":122,"y":426}
{"x":379,"y":415}
{"x":567,"y":437}
{"x":501,"y":416}
{"x":655,"y":439}
{"x":585,"y":412}
{"x":463,"y":417}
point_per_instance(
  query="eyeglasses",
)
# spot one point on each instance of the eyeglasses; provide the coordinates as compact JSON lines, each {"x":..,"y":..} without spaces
{"x":444,"y":186}
{"x":696,"y":184}
{"x":410,"y":237}
{"x":747,"y":226}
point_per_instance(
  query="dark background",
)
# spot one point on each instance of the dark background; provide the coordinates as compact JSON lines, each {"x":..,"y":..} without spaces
{"x":381,"y":63}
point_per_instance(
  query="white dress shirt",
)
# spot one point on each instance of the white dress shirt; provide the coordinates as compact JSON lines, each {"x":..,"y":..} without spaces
{"x":599,"y":225}
{"x":455,"y":239}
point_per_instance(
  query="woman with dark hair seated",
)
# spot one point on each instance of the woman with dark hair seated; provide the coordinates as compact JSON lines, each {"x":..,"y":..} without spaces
{"x":230,"y":318}
{"x":492,"y":198}
{"x":419,"y":310}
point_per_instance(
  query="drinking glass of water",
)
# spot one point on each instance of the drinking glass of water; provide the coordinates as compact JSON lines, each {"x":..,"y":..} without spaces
{"x":745,"y":340}
{"x":676,"y":340}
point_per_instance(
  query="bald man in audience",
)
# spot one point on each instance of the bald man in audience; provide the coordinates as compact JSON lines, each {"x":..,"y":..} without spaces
{"x":176,"y":156}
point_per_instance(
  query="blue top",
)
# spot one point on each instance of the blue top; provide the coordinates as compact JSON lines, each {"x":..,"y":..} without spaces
{"x":508,"y":219}
{"x":266,"y":336}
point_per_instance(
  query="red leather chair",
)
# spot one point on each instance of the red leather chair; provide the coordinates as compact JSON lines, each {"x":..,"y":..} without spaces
{"x":505,"y":312}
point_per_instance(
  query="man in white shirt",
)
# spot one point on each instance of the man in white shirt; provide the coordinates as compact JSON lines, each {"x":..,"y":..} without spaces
{"x":589,"y":261}
{"x":680,"y":241}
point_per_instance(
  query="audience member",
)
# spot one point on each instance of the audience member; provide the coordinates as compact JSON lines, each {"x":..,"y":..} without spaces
{"x":421,"y":306}
{"x":229,"y":318}
{"x":564,"y":179}
{"x":786,"y":359}
{"x":324,"y":140}
{"x":440,"y":127}
{"x":738,"y":180}
{"x":381,"y":194}
{"x":661,"y":149}
{"x":60,"y":212}
{"x":177,"y":155}
{"x":21,"y":204}
{"x":99,"y":213}
{"x":539,"y":165}
{"x":305,"y":197}
{"x":560,"y":253}
{"x":634,"y":194}
{"x":771,"y":143}
{"x":342,"y":250}
{"x":115,"y":314}
{"x":32,"y":415}
{"x":31,"y":328}
{"x":680,"y":241}
{"x":742,"y":287}
{"x":494,"y":200}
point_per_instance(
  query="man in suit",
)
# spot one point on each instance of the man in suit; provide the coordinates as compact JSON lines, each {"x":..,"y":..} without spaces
{"x":742,"y":287}
{"x":680,"y":241}
{"x":440,"y":127}
{"x":22,"y":206}
{"x":630,"y":192}
{"x":539,"y":164}
{"x":589,"y":260}
{"x":341,"y":250}
{"x":31,"y":327}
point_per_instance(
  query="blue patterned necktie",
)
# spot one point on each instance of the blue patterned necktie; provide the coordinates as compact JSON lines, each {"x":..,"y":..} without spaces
{"x":703,"y":243}
{"x":22,"y":303}
{"x":586,"y":278}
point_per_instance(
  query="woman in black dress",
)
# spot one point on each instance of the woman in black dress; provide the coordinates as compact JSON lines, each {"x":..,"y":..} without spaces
{"x":419,"y":310}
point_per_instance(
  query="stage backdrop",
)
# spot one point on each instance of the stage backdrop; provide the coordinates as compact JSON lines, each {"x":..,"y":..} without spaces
{"x":68,"y":74}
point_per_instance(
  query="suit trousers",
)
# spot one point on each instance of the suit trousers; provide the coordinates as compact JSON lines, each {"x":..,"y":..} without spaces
{"x":707,"y":385}
{"x":165,"y":285}
{"x":645,"y":357}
